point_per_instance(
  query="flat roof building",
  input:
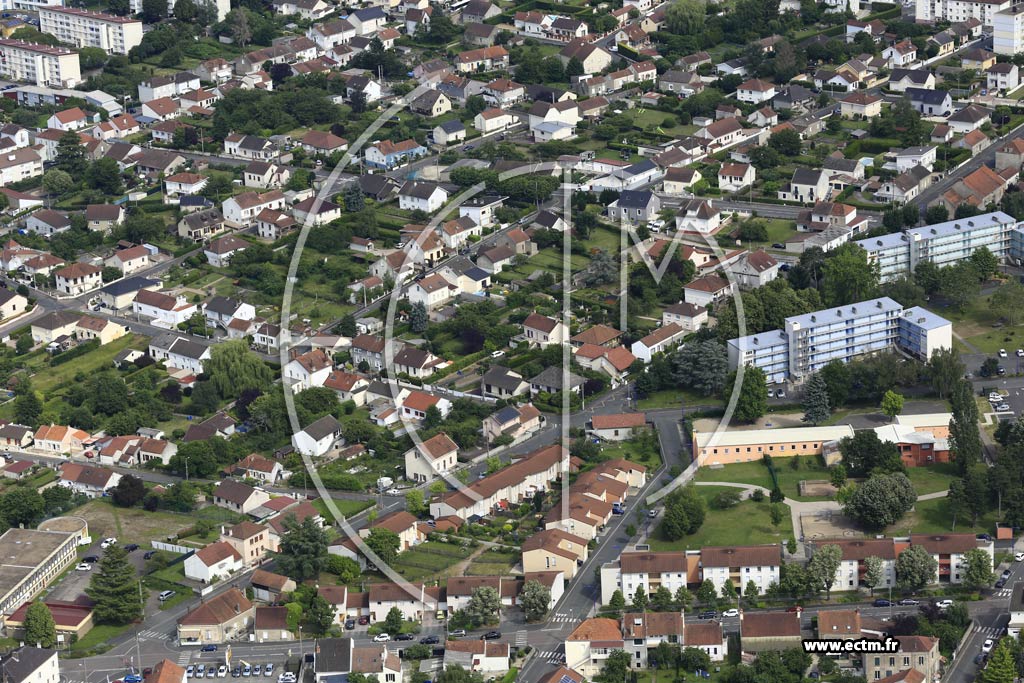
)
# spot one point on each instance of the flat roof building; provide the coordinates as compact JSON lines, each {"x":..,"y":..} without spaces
{"x":43,"y":65}
{"x":84,"y":28}
{"x":29,"y":561}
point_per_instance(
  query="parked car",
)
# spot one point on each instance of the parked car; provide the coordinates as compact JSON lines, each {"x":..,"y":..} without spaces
{"x":149,"y":554}
{"x":707,"y":614}
{"x":1002,"y":353}
{"x":1003,"y":407}
{"x":405,"y":636}
{"x":90,"y":559}
{"x":190,"y":671}
{"x":269,"y":670}
{"x":222,"y":671}
{"x":491,"y":635}
{"x":906,"y":602}
{"x":131,"y":547}
{"x":944,"y":604}
{"x":350,"y":624}
{"x":1006,"y":574}
{"x":364,"y":620}
{"x":429,"y":640}
{"x":236,"y":672}
{"x":987,"y":646}
{"x":208,"y":648}
{"x":882,"y":602}
{"x":382,"y":638}
{"x":83,"y":567}
{"x":731,"y":612}
{"x":1000,"y":583}
{"x":1019,"y":557}
{"x":795,"y":608}
{"x":457,"y":632}
{"x":107,"y":542}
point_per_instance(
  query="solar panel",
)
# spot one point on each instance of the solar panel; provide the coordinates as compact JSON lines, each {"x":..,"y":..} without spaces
{"x":566,"y":679}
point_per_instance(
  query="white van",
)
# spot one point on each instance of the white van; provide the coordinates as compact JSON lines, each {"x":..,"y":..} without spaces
{"x":166,"y":595}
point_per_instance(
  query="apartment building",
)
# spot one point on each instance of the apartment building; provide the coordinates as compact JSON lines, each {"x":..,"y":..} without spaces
{"x":853,"y":565}
{"x":510,"y":485}
{"x":944,"y":244}
{"x":949,"y":550}
{"x":757,"y":563}
{"x":1008,"y":30}
{"x":33,"y":559}
{"x":223,"y":7}
{"x":953,"y":11}
{"x":648,"y":571}
{"x":43,"y":65}
{"x":83,"y":28}
{"x":811,"y":340}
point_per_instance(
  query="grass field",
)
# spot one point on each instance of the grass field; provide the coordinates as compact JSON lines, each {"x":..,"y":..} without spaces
{"x":672,"y":398}
{"x":976,"y":325}
{"x":755,"y":473}
{"x":346,"y":507}
{"x":132,"y":525}
{"x":628,"y":450}
{"x":430,"y":559}
{"x":98,"y":636}
{"x":745,"y":524}
{"x":932,"y":516}
{"x":492,"y":563}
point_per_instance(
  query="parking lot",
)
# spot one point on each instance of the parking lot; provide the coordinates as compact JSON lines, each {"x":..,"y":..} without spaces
{"x":75,"y":582}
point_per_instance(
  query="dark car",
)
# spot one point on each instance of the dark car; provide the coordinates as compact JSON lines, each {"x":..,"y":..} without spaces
{"x":90,"y":559}
{"x":778,"y":245}
{"x":131,"y":547}
{"x":364,"y":620}
{"x":491,"y":635}
{"x":405,"y":636}
{"x":708,"y":614}
{"x":795,"y":608}
{"x":350,"y":624}
{"x":148,"y":670}
{"x":882,"y":602}
{"x":1006,"y":574}
{"x":209,"y":648}
{"x":1000,"y":370}
{"x":906,"y":602}
{"x":430,"y":640}
{"x":236,"y":672}
{"x":149,"y":554}
{"x":1000,"y":583}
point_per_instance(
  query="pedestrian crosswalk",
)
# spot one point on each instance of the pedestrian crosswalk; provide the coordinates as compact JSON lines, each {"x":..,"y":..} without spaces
{"x":1003,"y":593}
{"x":551,"y":656}
{"x":562,"y":618}
{"x":991,"y":631}
{"x":184,"y":658}
{"x":520,"y":639}
{"x":154,"y":635}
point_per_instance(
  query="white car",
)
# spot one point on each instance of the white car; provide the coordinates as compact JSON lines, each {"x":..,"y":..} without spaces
{"x":286,"y":677}
{"x":780,"y":394}
{"x":382,"y":638}
{"x":1002,"y":353}
{"x":731,"y":612}
{"x":393,"y":492}
{"x":107,"y":542}
{"x":771,"y":393}
{"x":268,"y":670}
{"x":1019,"y":557}
{"x":995,"y":396}
{"x":987,"y":646}
{"x":83,"y":567}
{"x":222,"y":671}
{"x":1003,"y":407}
{"x":944,"y":604}
{"x":1020,"y":353}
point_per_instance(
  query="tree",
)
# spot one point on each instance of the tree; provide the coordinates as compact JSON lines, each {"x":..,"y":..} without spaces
{"x":154,"y":10}
{"x":822,"y":567}
{"x":751,"y":592}
{"x":837,"y":476}
{"x":616,"y":667}
{"x":233,"y":369}
{"x":28,"y":408}
{"x":864,"y":453}
{"x":535,"y":599}
{"x":114,"y":589}
{"x":775,"y":514}
{"x":662,"y":600}
{"x":320,"y":613}
{"x":71,"y":154}
{"x":414,"y":503}
{"x":848,"y":276}
{"x":915,"y":568}
{"x":237,"y":21}
{"x":40,"y":629}
{"x":694,"y":658}
{"x":640,"y":599}
{"x":418,"y":317}
{"x":978,"y":572}
{"x":881,"y":500}
{"x":872,"y":572}
{"x":484,"y":606}
{"x":119,"y":7}
{"x":703,"y":366}
{"x":964,"y":437}
{"x":816,"y":403}
{"x":956,"y":501}
{"x":22,"y":506}
{"x":985,"y":263}
{"x":129,"y":491}
{"x":185,"y":10}
{"x":1002,"y":665}
{"x":959,"y":284}
{"x":786,"y":142}
{"x":936,"y":213}
{"x":57,"y":182}
{"x":892,"y":404}
{"x":393,"y":621}
{"x":684,"y":513}
{"x":685,"y":17}
{"x":683,"y":598}
{"x":618,"y":601}
{"x":752,"y":402}
{"x":665,"y":655}
{"x":707,"y":593}
{"x":105,"y":176}
{"x":303,"y":550}
{"x":728,"y":590}
{"x":384,"y":543}
{"x":345,"y":568}
{"x":1008,"y":301}
{"x":838,"y":380}
{"x":946,"y":369}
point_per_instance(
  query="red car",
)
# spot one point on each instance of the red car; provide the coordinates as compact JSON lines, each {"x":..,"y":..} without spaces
{"x":795,"y":608}
{"x":364,"y":620}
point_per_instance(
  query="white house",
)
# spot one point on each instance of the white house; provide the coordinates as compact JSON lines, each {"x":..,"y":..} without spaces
{"x":317,"y":438}
{"x":216,"y":561}
{"x":423,"y":196}
{"x":430,"y":459}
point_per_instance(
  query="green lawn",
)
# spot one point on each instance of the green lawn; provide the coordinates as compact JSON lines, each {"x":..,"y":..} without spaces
{"x":745,"y":524}
{"x":755,"y":473}
{"x":430,"y":559}
{"x":346,"y":507}
{"x":676,"y":398}
{"x":932,"y":516}
{"x":933,"y":478}
{"x":98,"y":636}
{"x":492,"y":563}
{"x":976,"y":324}
{"x":102,"y":358}
{"x":629,"y":450}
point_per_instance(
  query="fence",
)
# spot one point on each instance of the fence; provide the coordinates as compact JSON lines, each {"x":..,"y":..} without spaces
{"x":173,"y":548}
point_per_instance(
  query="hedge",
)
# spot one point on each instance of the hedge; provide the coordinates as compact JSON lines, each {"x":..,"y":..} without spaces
{"x":71,"y":354}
